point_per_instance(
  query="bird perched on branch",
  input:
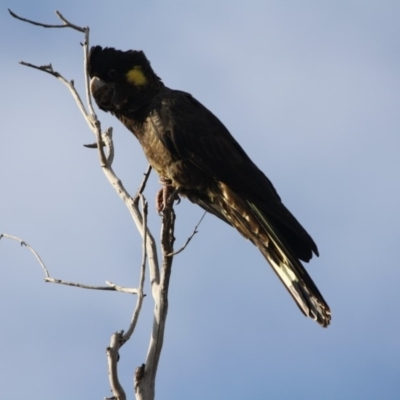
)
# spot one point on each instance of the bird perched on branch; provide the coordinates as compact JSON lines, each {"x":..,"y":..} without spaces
{"x":196,"y":157}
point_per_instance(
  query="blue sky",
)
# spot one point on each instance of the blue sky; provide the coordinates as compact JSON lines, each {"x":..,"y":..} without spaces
{"x":312,"y":91}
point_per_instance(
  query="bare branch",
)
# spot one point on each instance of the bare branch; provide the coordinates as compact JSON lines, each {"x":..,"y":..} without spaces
{"x":70,"y":24}
{"x":111,"y":286}
{"x":145,"y":386}
{"x":189,"y":238}
{"x":29,"y":21}
{"x":69,"y":84}
{"x":86,"y":74}
{"x":112,"y":358}
{"x":45,"y":68}
{"x":123,"y":289}
{"x":79,"y":285}
{"x":49,"y":69}
{"x":159,"y":279}
{"x":66,"y":24}
{"x":140,"y":294}
{"x":31,"y":249}
{"x":109,"y":144}
{"x":143,"y":184}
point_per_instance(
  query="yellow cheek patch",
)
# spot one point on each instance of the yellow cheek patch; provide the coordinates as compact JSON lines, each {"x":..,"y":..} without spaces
{"x":136,"y":76}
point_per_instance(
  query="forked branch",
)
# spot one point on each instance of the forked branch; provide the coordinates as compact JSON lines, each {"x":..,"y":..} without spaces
{"x":159,"y":282}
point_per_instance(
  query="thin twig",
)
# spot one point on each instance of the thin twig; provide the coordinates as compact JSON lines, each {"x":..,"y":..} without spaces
{"x":143,"y":183}
{"x":45,"y":68}
{"x":122,"y":289}
{"x":66,"y":23}
{"x":69,"y":84}
{"x":70,"y":24}
{"x":140,"y":297}
{"x":31,"y":249}
{"x":111,"y":287}
{"x":91,"y":116}
{"x":189,"y":238}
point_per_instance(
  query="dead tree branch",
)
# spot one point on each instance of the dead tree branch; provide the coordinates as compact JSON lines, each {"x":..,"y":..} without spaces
{"x":145,"y":375}
{"x":66,"y":23}
{"x":111,"y":287}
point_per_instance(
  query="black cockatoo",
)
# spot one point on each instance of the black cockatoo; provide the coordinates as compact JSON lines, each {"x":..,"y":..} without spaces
{"x":195,"y":156}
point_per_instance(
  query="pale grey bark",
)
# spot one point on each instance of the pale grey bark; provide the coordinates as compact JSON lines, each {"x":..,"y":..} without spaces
{"x":159,"y":274}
